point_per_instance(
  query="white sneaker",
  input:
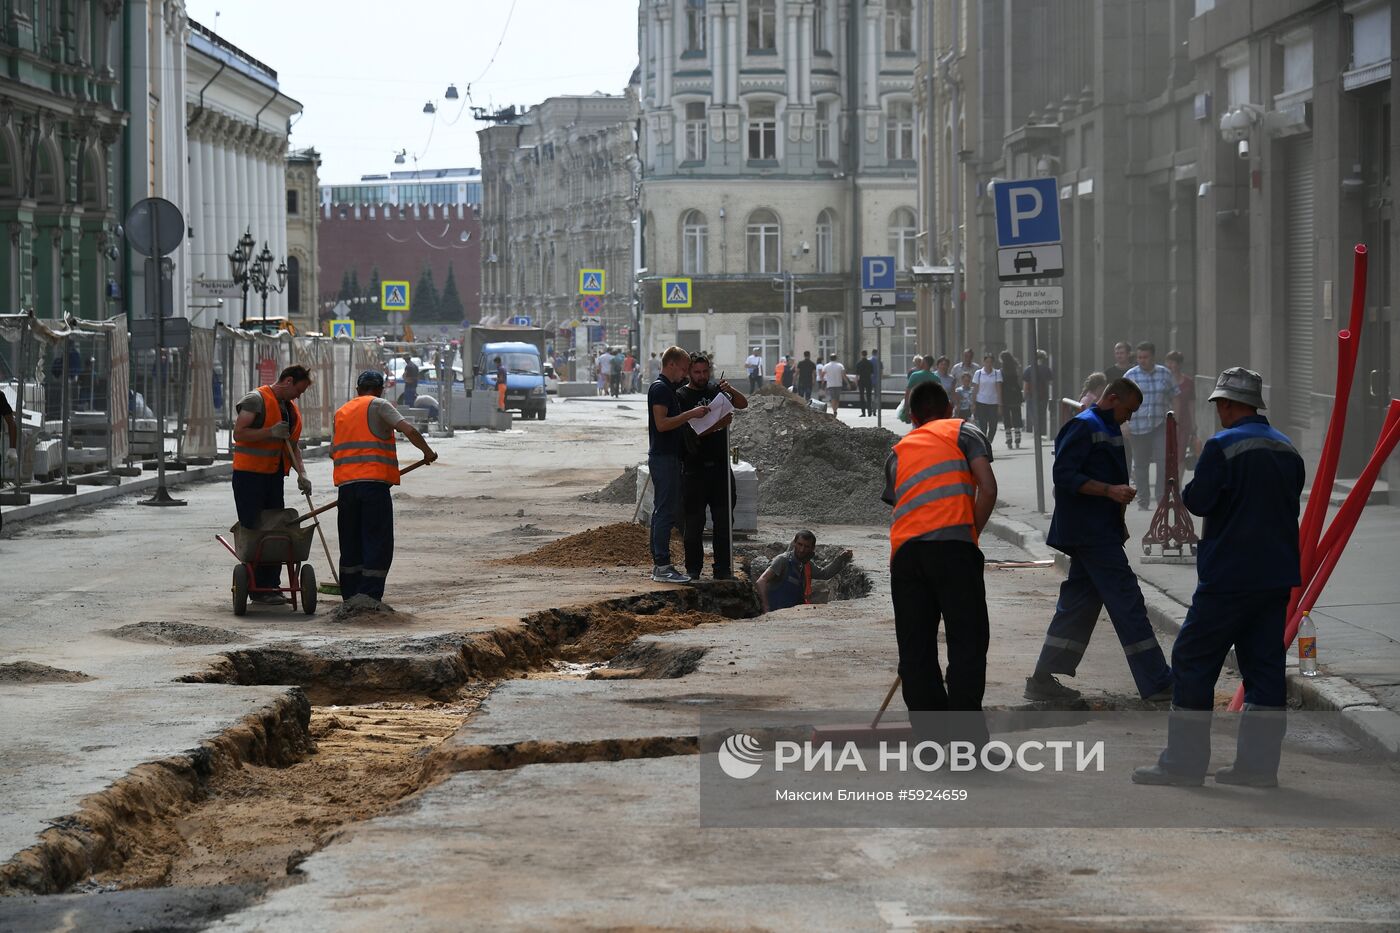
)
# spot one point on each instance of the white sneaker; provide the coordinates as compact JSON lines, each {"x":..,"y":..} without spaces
{"x":668,"y":574}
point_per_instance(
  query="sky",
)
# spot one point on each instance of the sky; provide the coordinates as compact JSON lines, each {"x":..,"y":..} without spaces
{"x":362,"y":71}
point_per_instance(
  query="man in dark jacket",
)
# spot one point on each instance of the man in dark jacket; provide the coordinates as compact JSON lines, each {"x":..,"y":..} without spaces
{"x":706,"y":480}
{"x":1091,"y":492}
{"x":1247,"y":487}
{"x":865,"y":382}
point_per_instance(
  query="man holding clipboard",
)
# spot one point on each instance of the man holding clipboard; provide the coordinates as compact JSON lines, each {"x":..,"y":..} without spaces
{"x":706,"y":480}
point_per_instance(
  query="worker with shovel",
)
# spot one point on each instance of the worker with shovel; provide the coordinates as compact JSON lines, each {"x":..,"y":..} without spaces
{"x":264,"y":451}
{"x":366,"y":465}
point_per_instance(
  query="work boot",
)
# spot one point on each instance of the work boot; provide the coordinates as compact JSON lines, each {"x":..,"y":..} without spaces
{"x":667,"y":573}
{"x":1228,"y":775}
{"x":268,"y":599}
{"x":1044,"y":687}
{"x":1161,"y":696}
{"x":1158,"y":775}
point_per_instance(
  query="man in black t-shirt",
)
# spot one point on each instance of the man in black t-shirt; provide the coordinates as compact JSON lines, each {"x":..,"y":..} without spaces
{"x":664,"y":419}
{"x":865,"y":381}
{"x":706,"y":479}
{"x":806,"y":375}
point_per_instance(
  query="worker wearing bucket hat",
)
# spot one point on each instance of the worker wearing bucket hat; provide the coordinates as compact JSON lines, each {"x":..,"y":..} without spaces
{"x":366,"y":465}
{"x":1247,"y":487}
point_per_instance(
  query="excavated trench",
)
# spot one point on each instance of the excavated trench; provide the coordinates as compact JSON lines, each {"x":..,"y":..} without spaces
{"x":356,"y":735}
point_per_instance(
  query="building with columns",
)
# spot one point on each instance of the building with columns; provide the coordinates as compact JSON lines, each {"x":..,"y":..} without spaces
{"x":777,"y":148}
{"x":303,"y":239}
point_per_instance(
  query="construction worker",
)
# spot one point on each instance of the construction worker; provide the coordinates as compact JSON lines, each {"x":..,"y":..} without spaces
{"x":1247,"y":487}
{"x":366,"y":465}
{"x":787,"y":581}
{"x":939,"y":481}
{"x":1091,"y":492}
{"x":706,"y":479}
{"x":502,"y":377}
{"x":265,"y":450}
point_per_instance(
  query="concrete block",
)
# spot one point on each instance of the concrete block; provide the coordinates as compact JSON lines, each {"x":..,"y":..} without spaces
{"x":577,"y":389}
{"x":1374,"y":724}
{"x":745,"y":508}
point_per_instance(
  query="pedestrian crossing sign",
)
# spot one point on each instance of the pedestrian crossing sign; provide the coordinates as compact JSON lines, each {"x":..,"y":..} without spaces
{"x":590,"y":281}
{"x":675,"y":293}
{"x":393,"y":296}
{"x":343,"y":327}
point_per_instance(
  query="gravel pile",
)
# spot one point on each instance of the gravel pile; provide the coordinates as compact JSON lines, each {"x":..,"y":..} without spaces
{"x":622,"y":544}
{"x":621,"y":490}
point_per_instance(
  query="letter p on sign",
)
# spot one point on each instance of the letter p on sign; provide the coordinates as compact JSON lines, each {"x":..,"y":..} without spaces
{"x":1027,"y":212}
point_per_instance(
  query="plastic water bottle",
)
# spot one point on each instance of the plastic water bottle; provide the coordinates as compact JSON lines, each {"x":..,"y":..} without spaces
{"x":1307,"y":647}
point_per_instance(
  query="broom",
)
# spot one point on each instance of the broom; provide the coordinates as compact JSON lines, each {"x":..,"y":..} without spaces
{"x":330,"y":589}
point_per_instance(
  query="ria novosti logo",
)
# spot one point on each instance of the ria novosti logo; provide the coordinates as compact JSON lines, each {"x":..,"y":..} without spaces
{"x":740,"y":756}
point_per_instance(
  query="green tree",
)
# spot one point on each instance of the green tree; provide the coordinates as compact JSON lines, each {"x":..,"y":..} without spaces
{"x":450,"y":307}
{"x":423,"y":303}
{"x":347,"y":290}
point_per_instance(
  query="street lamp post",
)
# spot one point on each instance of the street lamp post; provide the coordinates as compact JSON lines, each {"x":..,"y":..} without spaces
{"x":261,"y":272}
{"x":239,"y":259}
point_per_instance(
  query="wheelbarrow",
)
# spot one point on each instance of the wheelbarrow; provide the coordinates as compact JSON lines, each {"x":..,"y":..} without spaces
{"x":278,"y":540}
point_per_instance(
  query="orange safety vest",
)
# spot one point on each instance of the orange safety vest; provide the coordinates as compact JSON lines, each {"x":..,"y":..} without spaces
{"x":933,"y":486}
{"x":267,"y":456}
{"x":356,"y":451}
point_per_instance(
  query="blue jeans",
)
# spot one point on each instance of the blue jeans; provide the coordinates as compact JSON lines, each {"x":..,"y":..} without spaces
{"x":366,"y":524}
{"x":666,"y":504}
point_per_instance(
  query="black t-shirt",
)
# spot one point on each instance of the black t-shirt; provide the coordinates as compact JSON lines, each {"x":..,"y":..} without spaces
{"x":1113,"y":372}
{"x":806,"y":371}
{"x":665,"y":443}
{"x":865,"y":371}
{"x":5,"y":408}
{"x":695,"y":449}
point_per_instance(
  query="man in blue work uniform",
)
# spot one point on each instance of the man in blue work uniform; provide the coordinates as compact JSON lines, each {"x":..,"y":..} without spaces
{"x":1091,"y":492}
{"x":1248,"y":483}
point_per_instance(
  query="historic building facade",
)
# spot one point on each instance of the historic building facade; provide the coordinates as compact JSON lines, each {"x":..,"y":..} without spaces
{"x":61,"y":119}
{"x":303,"y":238}
{"x":778,"y":148}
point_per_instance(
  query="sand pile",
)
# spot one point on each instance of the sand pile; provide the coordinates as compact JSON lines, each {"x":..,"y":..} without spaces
{"x":622,"y":544}
{"x":28,"y":672}
{"x":623,"y":489}
{"x":610,"y":631}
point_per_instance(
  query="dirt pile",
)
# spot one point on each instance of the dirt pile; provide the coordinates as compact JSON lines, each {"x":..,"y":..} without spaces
{"x":621,"y":490}
{"x":610,"y":631}
{"x":176,"y":633}
{"x":810,"y":464}
{"x":622,"y":544}
{"x":362,"y":608}
{"x":27,"y":672}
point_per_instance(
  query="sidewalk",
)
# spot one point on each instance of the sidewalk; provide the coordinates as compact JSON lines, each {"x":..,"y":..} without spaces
{"x":1357,"y":616}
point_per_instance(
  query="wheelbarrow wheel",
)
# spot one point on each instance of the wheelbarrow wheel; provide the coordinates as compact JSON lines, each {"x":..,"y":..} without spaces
{"x":308,"y":589}
{"x":240,"y":589}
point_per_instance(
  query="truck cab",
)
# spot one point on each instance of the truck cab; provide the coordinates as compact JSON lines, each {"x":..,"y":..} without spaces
{"x":526,"y":391}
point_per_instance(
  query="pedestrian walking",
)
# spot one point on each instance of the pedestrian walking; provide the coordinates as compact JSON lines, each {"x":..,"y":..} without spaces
{"x":265,"y":450}
{"x":1091,"y":493}
{"x":940,"y":484}
{"x":365,"y":464}
{"x":1247,"y":487}
{"x":629,"y":372}
{"x":664,"y":417}
{"x":1092,"y":390}
{"x":502,"y":384}
{"x":787,"y":580}
{"x":409,"y":395}
{"x":780,"y":371}
{"x":602,"y":366}
{"x":1122,"y":362}
{"x":965,"y":365}
{"x":986,"y":383}
{"x":653,"y":369}
{"x":918,"y":374}
{"x":1148,"y":428}
{"x":615,"y":373}
{"x":942,"y":369}
{"x":806,"y":375}
{"x":865,"y":382}
{"x":1038,"y":407}
{"x":834,"y":377}
{"x":1011,"y":399}
{"x":967,"y":397}
{"x":1187,"y":445}
{"x":754,"y":365}
{"x":789,"y":373}
{"x":707,"y":481}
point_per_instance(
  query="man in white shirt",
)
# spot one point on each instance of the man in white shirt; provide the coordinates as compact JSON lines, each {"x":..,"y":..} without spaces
{"x":754,"y":364}
{"x":603,"y":366}
{"x":965,"y":365}
{"x":834,"y":376}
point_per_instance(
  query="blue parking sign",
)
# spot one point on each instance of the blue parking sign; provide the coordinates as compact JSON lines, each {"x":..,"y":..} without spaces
{"x":877,"y":273}
{"x":1027,"y":211}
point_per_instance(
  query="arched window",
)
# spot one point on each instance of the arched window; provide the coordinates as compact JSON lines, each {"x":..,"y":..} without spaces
{"x":766,"y":333}
{"x":764,"y":242}
{"x":899,"y":25}
{"x":826,"y":241}
{"x":293,"y":285}
{"x":49,"y":180}
{"x":695,"y":232}
{"x":903,"y":229}
{"x":828,"y":336}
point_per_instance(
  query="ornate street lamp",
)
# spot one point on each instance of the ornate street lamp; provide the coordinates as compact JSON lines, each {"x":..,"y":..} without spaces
{"x":238,"y":259}
{"x":261,"y":273}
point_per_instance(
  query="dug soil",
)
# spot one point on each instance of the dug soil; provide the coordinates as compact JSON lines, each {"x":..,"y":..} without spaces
{"x":623,"y":544}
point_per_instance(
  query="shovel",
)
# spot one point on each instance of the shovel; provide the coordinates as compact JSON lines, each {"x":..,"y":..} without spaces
{"x":864,"y":733}
{"x":330,"y":505}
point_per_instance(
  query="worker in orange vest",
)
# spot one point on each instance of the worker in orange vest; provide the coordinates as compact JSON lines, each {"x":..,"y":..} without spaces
{"x":940,"y":483}
{"x":502,"y":377}
{"x":366,"y":465}
{"x":268,"y":423}
{"x":787,"y":581}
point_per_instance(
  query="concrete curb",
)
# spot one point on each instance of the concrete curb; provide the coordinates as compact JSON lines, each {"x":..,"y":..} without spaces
{"x":1362,"y":717}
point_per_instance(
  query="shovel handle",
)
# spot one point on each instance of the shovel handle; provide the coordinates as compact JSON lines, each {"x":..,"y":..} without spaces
{"x":330,"y":505}
{"x":888,"y":696}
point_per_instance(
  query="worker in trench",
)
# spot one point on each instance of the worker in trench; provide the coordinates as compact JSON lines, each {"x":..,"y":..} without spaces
{"x":1247,"y":486}
{"x":366,"y":466}
{"x":940,"y":483}
{"x":706,"y":478}
{"x":1092,"y":490}
{"x":787,"y":581}
{"x":265,"y":450}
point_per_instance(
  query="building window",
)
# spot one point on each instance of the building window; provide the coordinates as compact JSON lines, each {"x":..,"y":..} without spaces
{"x":826,"y":242}
{"x":764,"y":242}
{"x":899,"y":131}
{"x":292,"y":201}
{"x":695,"y":132}
{"x":828,"y":337}
{"x":763,"y":25}
{"x":695,"y":25}
{"x":819,"y":26}
{"x":695,"y":231}
{"x":901,"y":241}
{"x":903,"y":344}
{"x":293,"y":282}
{"x":763,"y":130}
{"x":824,"y":133}
{"x":899,"y":25}
{"x":766,"y":333}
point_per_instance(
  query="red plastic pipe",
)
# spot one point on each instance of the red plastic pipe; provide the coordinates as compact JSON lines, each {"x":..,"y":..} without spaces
{"x":1356,"y":500}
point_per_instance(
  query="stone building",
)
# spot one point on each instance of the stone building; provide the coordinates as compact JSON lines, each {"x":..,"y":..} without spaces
{"x":559,"y":195}
{"x":61,"y":121}
{"x":778,"y":147}
{"x":1217,"y":160}
{"x":303,"y":240}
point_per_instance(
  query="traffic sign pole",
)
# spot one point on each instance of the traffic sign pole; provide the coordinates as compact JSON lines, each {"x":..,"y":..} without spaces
{"x":1040,"y":408}
{"x":149,"y":211}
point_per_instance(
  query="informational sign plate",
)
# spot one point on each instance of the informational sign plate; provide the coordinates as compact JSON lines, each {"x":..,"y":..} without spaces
{"x":216,"y":288}
{"x":878,"y":299}
{"x":591,"y":281}
{"x":869,"y":318}
{"x":877,"y":273}
{"x":675,"y":293}
{"x":143,"y":333}
{"x":393,"y":296}
{"x":1022,"y":302}
{"x":1046,"y":261}
{"x":342,"y":328}
{"x":1027,"y":211}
